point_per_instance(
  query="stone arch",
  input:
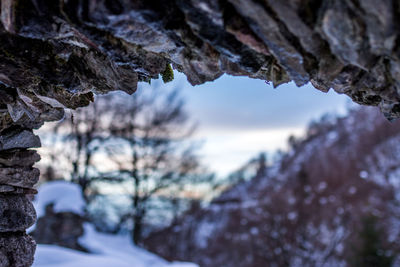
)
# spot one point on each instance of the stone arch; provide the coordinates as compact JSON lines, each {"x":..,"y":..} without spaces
{"x":56,"y":54}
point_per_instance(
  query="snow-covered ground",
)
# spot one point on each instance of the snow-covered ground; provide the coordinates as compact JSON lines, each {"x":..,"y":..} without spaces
{"x":65,"y":197}
{"x":107,"y":250}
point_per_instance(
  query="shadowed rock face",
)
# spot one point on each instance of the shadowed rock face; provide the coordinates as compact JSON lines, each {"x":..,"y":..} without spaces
{"x":60,"y":228}
{"x":17,"y":178}
{"x":56,"y":54}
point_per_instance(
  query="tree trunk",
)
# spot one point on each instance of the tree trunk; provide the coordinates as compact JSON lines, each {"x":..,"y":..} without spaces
{"x":137,"y":217}
{"x":137,"y":230}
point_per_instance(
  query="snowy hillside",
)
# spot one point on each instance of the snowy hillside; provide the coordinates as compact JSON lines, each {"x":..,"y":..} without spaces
{"x":320,"y":205}
{"x":105,"y":250}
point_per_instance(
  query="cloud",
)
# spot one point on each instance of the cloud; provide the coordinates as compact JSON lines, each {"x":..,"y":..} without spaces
{"x":225,"y":151}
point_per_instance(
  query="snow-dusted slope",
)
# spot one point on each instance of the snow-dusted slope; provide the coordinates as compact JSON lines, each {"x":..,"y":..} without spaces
{"x":106,"y":250}
{"x":308,"y":209}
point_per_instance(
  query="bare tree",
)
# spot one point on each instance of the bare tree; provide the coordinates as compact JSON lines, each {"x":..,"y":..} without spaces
{"x":148,"y":135}
{"x":74,"y":141}
{"x":142,"y":140}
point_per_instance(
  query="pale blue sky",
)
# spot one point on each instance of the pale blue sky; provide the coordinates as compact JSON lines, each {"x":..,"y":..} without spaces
{"x":239,"y":117}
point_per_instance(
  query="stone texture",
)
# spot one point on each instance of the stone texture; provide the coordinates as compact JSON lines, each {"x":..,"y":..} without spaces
{"x":47,"y":230}
{"x":18,"y":139}
{"x":17,"y":177}
{"x":17,"y":190}
{"x":55,"y":54}
{"x":21,"y":177}
{"x":16,"y":250}
{"x":20,"y":158}
{"x":16,"y":213}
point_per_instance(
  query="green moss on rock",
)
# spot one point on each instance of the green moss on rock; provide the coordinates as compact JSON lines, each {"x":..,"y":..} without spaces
{"x":168,"y":74}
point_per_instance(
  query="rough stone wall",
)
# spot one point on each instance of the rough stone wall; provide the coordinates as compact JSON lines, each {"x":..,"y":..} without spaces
{"x":56,"y":54}
{"x":17,"y":178}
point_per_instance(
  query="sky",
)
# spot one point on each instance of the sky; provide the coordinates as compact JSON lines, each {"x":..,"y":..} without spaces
{"x":239,"y":117}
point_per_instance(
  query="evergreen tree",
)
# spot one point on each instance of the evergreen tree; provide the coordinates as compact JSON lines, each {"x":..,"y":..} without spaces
{"x":371,"y":251}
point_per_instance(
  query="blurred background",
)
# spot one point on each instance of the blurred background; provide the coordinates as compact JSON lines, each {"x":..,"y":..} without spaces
{"x":229,"y":173}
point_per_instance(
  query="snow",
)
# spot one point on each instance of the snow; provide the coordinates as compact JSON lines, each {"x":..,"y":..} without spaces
{"x":322,"y":186}
{"x":106,"y":250}
{"x":352,"y":190}
{"x":54,"y":256}
{"x":49,"y":256}
{"x":292,"y":215}
{"x":254,"y":230}
{"x":203,"y":233}
{"x":323,"y":201}
{"x":65,"y":196}
{"x":364,"y":174}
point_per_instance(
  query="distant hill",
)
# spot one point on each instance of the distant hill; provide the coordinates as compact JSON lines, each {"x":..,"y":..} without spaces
{"x":332,"y":200}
